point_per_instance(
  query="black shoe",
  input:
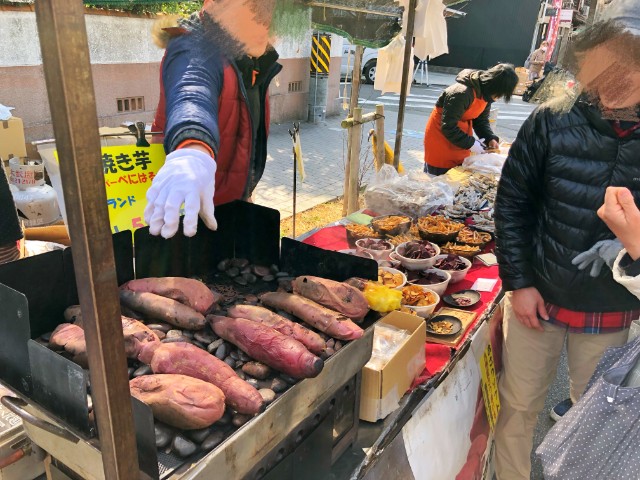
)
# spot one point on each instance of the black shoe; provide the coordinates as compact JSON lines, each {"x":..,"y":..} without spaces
{"x":557,"y":412}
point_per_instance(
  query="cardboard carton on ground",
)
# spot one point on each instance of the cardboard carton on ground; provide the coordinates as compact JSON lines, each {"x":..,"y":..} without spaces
{"x":382,"y":390}
{"x":12,"y":138}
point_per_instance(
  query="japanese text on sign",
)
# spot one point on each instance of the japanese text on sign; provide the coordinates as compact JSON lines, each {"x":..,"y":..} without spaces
{"x":489,"y":385}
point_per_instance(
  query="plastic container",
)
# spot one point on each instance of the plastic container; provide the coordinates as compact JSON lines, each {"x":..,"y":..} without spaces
{"x":37,"y":202}
{"x":420,"y":264}
{"x":382,"y":254}
{"x":394,"y":271}
{"x":439,"y":288}
{"x":427,"y":310}
{"x":456,"y":275}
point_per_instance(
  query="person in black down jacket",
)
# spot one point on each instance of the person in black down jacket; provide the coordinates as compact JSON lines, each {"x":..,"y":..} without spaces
{"x":552,"y":184}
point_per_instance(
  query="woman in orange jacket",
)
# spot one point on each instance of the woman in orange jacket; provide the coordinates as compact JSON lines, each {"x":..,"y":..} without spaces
{"x":462,"y":109}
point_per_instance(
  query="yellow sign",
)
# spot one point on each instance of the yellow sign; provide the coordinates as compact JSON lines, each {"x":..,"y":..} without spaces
{"x":489,"y":384}
{"x":128,"y":172}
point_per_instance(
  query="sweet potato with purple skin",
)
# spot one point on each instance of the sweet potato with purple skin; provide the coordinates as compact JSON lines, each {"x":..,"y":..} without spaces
{"x":326,"y":320}
{"x":70,"y":338}
{"x":187,"y":291}
{"x":314,"y":342}
{"x":180,"y":401}
{"x":186,"y":359}
{"x":268,"y":346}
{"x":164,"y":309}
{"x":337,"y":296}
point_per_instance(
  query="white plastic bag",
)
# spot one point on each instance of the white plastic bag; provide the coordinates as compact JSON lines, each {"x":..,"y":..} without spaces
{"x":390,"y":65}
{"x":485,"y":163}
{"x":5,"y":112}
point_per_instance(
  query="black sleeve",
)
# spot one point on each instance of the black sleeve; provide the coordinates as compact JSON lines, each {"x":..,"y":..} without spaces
{"x":454,"y":105}
{"x":519,"y":196}
{"x":482,"y":127}
{"x":630,"y":267}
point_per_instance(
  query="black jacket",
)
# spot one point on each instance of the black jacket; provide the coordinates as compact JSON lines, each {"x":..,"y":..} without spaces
{"x":456,"y":100}
{"x":552,"y":183}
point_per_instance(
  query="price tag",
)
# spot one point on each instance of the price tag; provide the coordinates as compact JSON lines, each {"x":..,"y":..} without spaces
{"x":128,"y":173}
{"x":489,"y":385}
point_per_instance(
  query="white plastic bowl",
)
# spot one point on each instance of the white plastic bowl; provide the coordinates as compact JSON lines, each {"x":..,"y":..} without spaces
{"x":376,"y":254}
{"x":456,"y":275}
{"x":426,"y":311}
{"x":393,"y":270}
{"x":411,"y":264}
{"x":439,"y":288}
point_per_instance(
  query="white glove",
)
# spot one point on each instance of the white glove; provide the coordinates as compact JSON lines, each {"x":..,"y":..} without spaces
{"x":478,"y":147}
{"x":188,"y":176}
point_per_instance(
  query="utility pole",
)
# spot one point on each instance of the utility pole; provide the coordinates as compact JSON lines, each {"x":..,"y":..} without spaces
{"x":593,"y":8}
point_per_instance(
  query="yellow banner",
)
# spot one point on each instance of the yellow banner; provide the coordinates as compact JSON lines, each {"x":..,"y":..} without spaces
{"x":490,"y":386}
{"x":128,"y":172}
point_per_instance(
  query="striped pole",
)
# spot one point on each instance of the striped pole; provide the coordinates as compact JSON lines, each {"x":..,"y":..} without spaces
{"x":319,"y":86}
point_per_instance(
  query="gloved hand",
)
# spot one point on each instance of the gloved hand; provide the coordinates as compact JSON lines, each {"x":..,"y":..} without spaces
{"x":478,"y":146}
{"x":188,"y":176}
{"x":604,"y":251}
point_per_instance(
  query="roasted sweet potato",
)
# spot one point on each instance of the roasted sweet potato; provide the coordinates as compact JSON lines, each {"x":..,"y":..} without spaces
{"x":70,"y":338}
{"x":326,"y":320}
{"x":268,"y":346}
{"x":186,"y":359}
{"x":164,"y":309}
{"x":180,"y":401}
{"x":337,"y":296}
{"x":314,"y":342}
{"x":187,"y":291}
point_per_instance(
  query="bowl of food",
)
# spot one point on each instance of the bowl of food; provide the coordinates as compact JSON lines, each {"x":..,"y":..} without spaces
{"x":419,"y":299}
{"x":353,"y":251}
{"x":466,"y":251}
{"x":436,"y":280}
{"x":462,"y":298}
{"x":392,"y":278}
{"x":468,"y":236}
{"x":438,"y":228}
{"x":417,"y":255}
{"x":456,"y":265}
{"x":444,"y":325}
{"x":391,"y":225}
{"x":378,"y":249}
{"x":357,"y":232}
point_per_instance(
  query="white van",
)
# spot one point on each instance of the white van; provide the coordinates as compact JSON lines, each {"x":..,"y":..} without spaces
{"x":369,"y":62}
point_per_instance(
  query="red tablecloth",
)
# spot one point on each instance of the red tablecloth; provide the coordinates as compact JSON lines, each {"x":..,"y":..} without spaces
{"x":437,"y":356}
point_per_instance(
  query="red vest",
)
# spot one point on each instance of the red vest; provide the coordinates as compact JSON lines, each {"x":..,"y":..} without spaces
{"x":236,"y":143}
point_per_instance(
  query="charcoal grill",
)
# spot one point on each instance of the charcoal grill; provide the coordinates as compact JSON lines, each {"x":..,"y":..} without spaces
{"x":302,"y":432}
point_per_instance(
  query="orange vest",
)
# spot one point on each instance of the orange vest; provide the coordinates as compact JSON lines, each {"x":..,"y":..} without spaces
{"x":440,"y":152}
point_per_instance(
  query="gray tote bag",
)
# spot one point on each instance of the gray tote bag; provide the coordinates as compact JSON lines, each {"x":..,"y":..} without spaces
{"x":599,"y":437}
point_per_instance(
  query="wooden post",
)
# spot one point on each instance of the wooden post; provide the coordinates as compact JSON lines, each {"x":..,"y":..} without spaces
{"x":67,"y":70}
{"x":405,"y":80}
{"x":354,"y":173}
{"x":379,"y":153}
{"x":355,"y":96}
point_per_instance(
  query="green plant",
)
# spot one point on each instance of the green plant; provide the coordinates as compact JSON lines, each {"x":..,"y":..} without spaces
{"x":148,"y":6}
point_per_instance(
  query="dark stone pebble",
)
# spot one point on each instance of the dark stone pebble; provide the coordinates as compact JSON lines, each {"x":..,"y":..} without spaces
{"x":241,"y":374}
{"x":268,"y":278}
{"x":253,"y":382}
{"x":246,"y":270}
{"x":188,"y":334}
{"x":278,"y":385}
{"x":213,"y":440}
{"x":243,"y":356}
{"x":282,"y":275}
{"x":268,"y":395}
{"x":230,"y":361}
{"x":46,"y":337}
{"x":264,"y":384}
{"x":163,"y":327}
{"x":183,"y":447}
{"x":160,"y":334}
{"x":174,"y":333}
{"x":288,"y":379}
{"x":239,"y":262}
{"x":234,"y":355}
{"x":205,"y":337}
{"x":130,"y":371}
{"x":213,"y":346}
{"x":240,"y":419}
{"x":330,"y":343}
{"x":222,"y":351}
{"x":198,"y":344}
{"x":176,"y":339}
{"x":250,"y":277}
{"x":338,"y":346}
{"x":261,"y":271}
{"x":223,"y":265}
{"x":164,"y":435}
{"x":233,"y":272}
{"x":240,"y":280}
{"x":198,"y":436}
{"x":274,"y":269}
{"x":143,"y":370}
{"x":226,"y":418}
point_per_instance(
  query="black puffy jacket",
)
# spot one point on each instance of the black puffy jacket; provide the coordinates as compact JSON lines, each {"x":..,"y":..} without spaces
{"x":552,"y":183}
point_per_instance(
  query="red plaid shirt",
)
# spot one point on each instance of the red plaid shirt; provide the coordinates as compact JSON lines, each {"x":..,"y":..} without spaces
{"x":590,"y":322}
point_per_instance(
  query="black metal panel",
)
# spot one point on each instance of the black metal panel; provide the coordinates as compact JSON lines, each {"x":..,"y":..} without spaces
{"x":123,"y":255}
{"x":60,"y":386}
{"x":14,"y":325}
{"x":145,"y":438}
{"x":42,"y":280}
{"x":244,"y":230}
{"x":301,"y":259}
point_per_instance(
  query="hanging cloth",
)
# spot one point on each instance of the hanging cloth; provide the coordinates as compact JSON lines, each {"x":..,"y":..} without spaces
{"x":390,"y":65}
{"x":430,"y":28}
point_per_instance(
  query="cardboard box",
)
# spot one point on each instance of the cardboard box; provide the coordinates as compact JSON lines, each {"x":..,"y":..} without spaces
{"x":12,"y":138}
{"x":382,"y":390}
